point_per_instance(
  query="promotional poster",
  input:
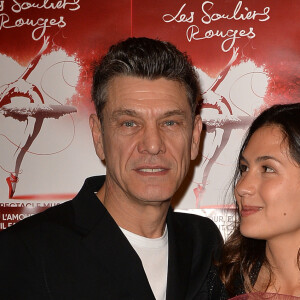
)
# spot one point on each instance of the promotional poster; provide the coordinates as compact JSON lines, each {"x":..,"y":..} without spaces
{"x":245,"y":52}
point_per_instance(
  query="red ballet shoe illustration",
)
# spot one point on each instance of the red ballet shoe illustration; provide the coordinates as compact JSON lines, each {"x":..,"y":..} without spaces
{"x":198,"y":192}
{"x":11,"y":181}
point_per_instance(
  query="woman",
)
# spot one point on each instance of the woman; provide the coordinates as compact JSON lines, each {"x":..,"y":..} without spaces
{"x":261,"y":258}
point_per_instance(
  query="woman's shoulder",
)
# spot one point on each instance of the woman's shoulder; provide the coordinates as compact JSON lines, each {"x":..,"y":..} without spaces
{"x":259,"y":295}
{"x":216,"y":288}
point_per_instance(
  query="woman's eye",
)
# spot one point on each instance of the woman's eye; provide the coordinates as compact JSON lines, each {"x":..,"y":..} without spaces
{"x":267,"y":169}
{"x":243,"y":168}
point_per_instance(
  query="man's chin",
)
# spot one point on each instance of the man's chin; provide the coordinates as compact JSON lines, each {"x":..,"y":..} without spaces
{"x":151,"y":191}
{"x":155,"y":202}
{"x":155,"y":198}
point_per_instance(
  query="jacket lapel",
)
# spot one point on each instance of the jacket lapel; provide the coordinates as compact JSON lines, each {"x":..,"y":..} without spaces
{"x":180,"y":260}
{"x":111,"y":249}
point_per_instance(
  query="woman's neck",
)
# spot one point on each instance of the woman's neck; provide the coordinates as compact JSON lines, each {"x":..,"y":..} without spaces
{"x":282,"y":255}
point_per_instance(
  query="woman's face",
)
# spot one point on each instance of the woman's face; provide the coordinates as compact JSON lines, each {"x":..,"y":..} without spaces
{"x":268,"y":191}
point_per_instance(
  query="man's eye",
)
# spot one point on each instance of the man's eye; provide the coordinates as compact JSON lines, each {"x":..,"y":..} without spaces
{"x":170,"y":123}
{"x":129,"y":124}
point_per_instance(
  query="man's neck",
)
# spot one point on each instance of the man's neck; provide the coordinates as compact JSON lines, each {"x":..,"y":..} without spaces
{"x":144,"y":219}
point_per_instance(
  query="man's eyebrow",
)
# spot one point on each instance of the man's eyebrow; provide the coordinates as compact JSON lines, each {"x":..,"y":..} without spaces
{"x":133,"y":113}
{"x":124,"y":112}
{"x":175,"y":112}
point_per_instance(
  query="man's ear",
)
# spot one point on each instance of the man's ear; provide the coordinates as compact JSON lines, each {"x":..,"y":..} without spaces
{"x":196,"y":137}
{"x":96,"y":130}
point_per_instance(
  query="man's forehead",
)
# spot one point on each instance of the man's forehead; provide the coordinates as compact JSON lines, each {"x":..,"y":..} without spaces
{"x":119,"y":112}
{"x":127,"y":88}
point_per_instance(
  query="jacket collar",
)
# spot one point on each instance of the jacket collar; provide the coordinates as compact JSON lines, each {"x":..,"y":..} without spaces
{"x":180,"y":259}
{"x":104,"y":239}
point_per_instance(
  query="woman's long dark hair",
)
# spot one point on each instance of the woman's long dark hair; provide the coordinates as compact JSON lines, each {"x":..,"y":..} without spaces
{"x":240,"y":254}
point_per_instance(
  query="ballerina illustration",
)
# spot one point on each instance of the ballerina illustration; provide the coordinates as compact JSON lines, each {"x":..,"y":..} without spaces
{"x":24,"y":101}
{"x":216,"y":126}
{"x":21,"y":87}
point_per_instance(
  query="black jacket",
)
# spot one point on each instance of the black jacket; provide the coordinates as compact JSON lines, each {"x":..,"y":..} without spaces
{"x":76,"y":251}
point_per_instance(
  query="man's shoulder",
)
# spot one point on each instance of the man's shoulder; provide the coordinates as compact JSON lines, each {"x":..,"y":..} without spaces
{"x":62,"y":217}
{"x":197,"y":227}
{"x":194,"y":220}
{"x":59,"y":215}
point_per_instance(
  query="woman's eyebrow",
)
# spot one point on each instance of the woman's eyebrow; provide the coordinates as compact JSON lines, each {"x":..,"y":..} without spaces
{"x":243,"y":159}
{"x":266,"y":157}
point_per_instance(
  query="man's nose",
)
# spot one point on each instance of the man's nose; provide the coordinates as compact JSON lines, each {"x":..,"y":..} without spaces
{"x":152,"y":140}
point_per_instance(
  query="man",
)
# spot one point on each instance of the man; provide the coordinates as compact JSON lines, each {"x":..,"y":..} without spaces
{"x":119,"y":238}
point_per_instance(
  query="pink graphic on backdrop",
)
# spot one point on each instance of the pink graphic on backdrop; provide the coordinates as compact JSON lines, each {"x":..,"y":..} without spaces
{"x":23,"y":101}
{"x":221,"y":116}
{"x":21,"y":87}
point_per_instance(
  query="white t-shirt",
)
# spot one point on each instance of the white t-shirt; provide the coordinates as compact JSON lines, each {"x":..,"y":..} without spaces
{"x":154,"y":256}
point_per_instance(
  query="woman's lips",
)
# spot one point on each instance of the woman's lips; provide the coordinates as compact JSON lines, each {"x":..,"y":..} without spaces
{"x":250,"y":210}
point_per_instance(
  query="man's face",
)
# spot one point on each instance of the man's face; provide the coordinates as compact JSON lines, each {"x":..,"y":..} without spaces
{"x":147,"y":138}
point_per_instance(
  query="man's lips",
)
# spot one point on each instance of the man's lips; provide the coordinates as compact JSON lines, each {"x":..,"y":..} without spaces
{"x":151,"y":170}
{"x":250,"y":210}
